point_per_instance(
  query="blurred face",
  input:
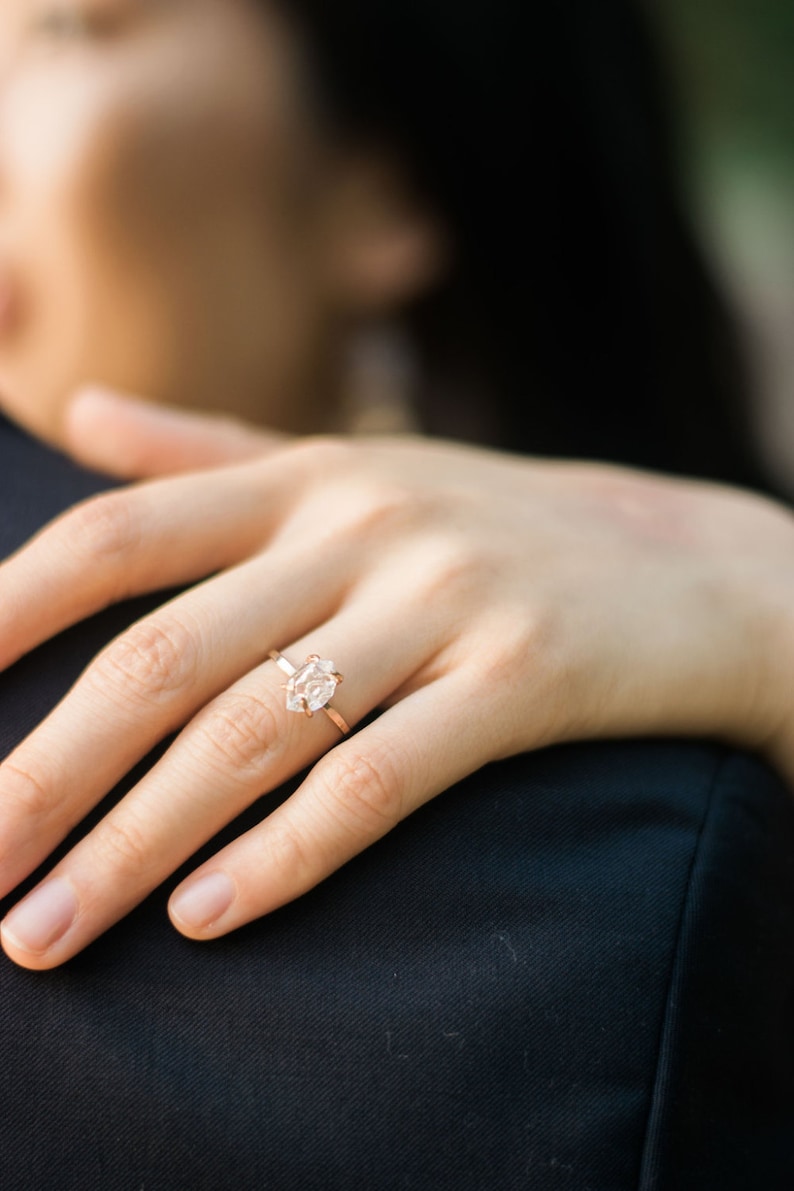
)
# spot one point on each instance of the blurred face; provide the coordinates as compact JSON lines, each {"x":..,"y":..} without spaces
{"x":160,"y":211}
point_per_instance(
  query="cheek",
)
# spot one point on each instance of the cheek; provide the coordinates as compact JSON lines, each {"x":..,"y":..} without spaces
{"x":143,"y":217}
{"x":111,"y":213}
{"x":45,"y":134}
{"x":93,"y":169}
{"x":186,"y":224}
{"x":46,"y":120}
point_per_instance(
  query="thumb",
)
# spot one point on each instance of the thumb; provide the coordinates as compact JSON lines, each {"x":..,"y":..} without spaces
{"x":131,"y":438}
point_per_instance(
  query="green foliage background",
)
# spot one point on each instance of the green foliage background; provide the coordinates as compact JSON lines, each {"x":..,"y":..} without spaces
{"x":732,"y":68}
{"x":736,"y":66}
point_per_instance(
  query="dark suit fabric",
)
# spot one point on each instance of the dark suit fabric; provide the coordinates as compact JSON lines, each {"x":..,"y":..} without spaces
{"x":572,"y":971}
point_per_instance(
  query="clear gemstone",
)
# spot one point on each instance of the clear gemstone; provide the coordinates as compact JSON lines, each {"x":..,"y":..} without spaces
{"x":314,"y":682}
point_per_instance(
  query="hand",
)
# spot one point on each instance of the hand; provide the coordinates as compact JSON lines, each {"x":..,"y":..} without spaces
{"x":489,"y":604}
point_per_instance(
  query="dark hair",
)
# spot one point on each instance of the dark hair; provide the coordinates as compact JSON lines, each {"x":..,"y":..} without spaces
{"x":578,"y":318}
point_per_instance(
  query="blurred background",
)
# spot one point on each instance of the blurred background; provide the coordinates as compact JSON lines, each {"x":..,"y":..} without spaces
{"x":732,"y":63}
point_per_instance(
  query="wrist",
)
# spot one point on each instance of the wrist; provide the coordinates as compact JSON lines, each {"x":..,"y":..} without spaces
{"x":773,"y":596}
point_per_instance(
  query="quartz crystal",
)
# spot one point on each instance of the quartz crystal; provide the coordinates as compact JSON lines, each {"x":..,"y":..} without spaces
{"x":315,"y":682}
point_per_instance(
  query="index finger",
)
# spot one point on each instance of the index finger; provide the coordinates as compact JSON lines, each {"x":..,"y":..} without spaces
{"x":149,"y":537}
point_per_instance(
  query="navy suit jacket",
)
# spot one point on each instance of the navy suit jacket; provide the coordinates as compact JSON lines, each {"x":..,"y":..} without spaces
{"x":573,"y":971}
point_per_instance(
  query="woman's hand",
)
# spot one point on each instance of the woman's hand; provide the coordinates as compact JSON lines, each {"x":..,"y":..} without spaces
{"x":490,"y":604}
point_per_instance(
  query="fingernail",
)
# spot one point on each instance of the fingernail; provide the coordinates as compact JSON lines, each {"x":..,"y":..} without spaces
{"x":42,"y":918}
{"x":201,"y":904}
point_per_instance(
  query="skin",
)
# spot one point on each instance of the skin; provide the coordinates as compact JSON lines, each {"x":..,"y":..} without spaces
{"x":488,"y":604}
{"x":579,"y":600}
{"x":173,"y":221}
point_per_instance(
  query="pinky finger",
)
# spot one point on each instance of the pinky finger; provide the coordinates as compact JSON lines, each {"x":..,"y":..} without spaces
{"x":353,"y":796}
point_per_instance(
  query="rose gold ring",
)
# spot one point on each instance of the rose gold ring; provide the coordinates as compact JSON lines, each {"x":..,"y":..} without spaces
{"x":311,"y":686}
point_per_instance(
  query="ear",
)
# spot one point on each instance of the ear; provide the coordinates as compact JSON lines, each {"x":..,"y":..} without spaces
{"x":382,"y":246}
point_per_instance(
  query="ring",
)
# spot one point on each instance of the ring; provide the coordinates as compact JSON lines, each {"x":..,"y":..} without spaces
{"x":311,"y":686}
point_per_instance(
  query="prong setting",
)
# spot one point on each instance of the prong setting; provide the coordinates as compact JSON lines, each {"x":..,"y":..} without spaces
{"x":312,"y":685}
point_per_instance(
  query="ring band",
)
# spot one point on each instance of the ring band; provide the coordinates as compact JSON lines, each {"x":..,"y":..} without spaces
{"x":311,"y":686}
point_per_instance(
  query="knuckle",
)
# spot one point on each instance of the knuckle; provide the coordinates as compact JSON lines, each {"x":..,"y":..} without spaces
{"x":22,"y":791}
{"x":289,"y":853}
{"x":241,"y":730}
{"x":380,"y":507}
{"x":321,"y":457}
{"x":452,"y":568}
{"x":525,"y":648}
{"x":153,"y":657}
{"x":103,"y":528}
{"x":531,"y":674}
{"x":364,"y":795}
{"x":122,"y":846}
